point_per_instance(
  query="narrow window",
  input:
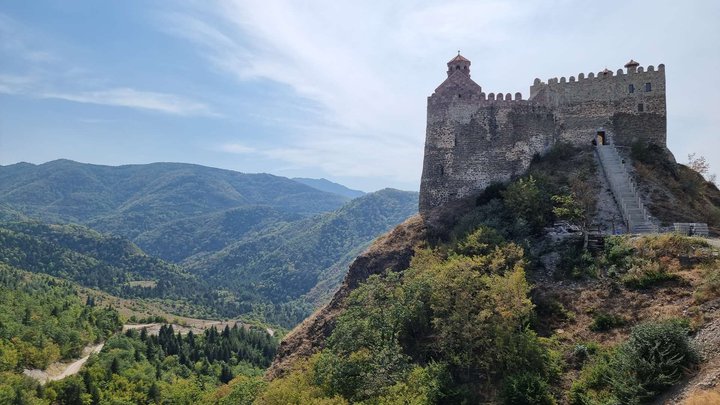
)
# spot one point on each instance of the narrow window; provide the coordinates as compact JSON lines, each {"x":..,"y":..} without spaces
{"x":641,"y":107}
{"x":631,"y":88}
{"x":648,"y":87}
{"x":457,"y":67}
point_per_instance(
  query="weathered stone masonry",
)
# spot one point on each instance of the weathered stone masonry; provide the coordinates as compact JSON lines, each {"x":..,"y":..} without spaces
{"x":474,"y":139}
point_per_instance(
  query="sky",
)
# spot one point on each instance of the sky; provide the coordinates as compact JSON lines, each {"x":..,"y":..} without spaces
{"x":334,"y":89}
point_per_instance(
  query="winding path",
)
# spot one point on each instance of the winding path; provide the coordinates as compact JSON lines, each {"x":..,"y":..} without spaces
{"x":60,"y":370}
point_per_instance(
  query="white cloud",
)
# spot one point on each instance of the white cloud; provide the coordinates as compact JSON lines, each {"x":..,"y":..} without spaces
{"x":145,"y":100}
{"x":46,"y":75}
{"x":236,"y":148}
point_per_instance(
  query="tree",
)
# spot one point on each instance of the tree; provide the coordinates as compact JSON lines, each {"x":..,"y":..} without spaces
{"x":226,"y":374}
{"x":699,"y":163}
{"x":528,"y":201}
{"x":576,"y":206}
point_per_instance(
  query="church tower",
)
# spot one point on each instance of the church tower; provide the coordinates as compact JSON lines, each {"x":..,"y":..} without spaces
{"x":458,"y":63}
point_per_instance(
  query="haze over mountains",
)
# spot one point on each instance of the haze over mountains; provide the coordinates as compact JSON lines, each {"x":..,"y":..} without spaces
{"x":261,"y":241}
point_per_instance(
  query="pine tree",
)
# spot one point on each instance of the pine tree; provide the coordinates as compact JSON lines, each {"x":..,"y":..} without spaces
{"x":226,"y":374}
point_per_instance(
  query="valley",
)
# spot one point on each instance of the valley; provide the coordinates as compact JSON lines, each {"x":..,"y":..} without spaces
{"x":199,"y":242}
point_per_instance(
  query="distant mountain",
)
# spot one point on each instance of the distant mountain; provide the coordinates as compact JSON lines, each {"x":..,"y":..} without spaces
{"x":163,"y":207}
{"x":241,"y":243}
{"x":310,"y":256}
{"x":304,"y":261}
{"x":330,"y":187}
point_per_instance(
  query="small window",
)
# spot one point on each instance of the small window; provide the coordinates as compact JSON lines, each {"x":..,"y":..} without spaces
{"x":631,"y":88}
{"x":459,"y":95}
{"x":648,"y":87}
{"x":641,"y":107}
{"x":457,"y":67}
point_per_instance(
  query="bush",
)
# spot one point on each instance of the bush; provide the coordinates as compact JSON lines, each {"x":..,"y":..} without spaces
{"x":527,"y":388}
{"x":603,"y":322}
{"x":710,"y":285}
{"x":647,"y":273}
{"x":655,"y":356}
{"x":575,"y":262}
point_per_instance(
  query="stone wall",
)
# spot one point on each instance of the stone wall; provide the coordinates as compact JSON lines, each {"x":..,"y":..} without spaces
{"x":474,"y":146}
{"x":474,"y":139}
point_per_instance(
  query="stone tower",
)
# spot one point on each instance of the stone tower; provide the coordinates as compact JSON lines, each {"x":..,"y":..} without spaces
{"x":474,"y":139}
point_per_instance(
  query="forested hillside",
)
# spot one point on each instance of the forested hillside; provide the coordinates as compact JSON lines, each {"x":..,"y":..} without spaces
{"x":264,"y":275}
{"x":77,"y":253}
{"x":241,"y":243}
{"x":142,"y":202}
{"x":283,"y":263}
{"x":43,"y":320}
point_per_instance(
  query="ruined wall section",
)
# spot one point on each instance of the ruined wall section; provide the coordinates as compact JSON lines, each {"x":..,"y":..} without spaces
{"x":628,"y":106}
{"x":473,"y":140}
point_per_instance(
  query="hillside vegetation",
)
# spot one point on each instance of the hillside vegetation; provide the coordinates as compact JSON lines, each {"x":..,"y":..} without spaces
{"x":138,"y":201}
{"x":676,"y":192}
{"x":109,"y":263}
{"x":491,"y":309}
{"x":285,"y":262}
{"x":42,"y":320}
{"x":276,"y":274}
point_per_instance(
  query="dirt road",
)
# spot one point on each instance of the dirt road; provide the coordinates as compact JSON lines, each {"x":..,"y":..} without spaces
{"x":60,"y":370}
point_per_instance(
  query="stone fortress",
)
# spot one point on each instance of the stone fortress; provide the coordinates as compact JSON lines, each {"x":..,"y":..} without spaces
{"x":474,"y":139}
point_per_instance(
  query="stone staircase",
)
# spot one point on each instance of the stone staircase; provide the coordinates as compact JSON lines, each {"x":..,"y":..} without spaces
{"x":623,"y":188}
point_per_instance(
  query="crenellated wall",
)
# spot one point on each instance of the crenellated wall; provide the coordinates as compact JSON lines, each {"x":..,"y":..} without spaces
{"x":474,"y":139}
{"x":605,"y":101}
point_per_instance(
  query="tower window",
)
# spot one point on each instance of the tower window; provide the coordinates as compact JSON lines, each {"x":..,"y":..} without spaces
{"x":457,"y":67}
{"x":631,"y":88}
{"x":641,"y":107}
{"x":648,"y":87}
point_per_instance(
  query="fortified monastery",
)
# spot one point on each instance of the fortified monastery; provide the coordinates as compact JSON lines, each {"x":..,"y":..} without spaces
{"x":474,"y":139}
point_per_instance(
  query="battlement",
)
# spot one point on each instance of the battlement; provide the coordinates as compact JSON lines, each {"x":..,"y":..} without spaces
{"x":601,"y":85}
{"x":481,"y":97}
{"x":604,"y":74}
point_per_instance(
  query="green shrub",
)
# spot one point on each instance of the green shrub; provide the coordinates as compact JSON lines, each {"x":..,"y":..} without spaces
{"x":603,"y":322}
{"x":655,"y":356}
{"x":646,"y":273}
{"x":527,"y":388}
{"x":710,"y":285}
{"x":574,"y":261}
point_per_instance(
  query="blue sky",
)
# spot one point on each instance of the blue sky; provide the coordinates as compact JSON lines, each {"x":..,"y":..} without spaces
{"x":333,"y":89}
